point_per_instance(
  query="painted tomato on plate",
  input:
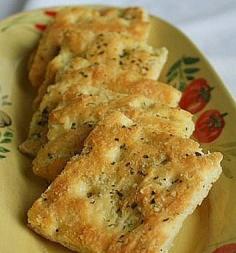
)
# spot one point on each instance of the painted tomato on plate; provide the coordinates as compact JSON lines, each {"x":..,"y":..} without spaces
{"x":196,"y":96}
{"x":50,"y":13}
{"x":40,"y":27}
{"x":209,"y":126}
{"x":228,"y":248}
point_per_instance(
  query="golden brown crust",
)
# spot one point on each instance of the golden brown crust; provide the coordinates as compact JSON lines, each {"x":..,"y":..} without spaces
{"x":132,"y":21}
{"x":82,"y":114}
{"x":130,"y":195}
{"x":121,"y":65}
{"x":37,"y":136}
{"x":56,"y":152}
{"x":160,"y":92}
{"x":108,"y":55}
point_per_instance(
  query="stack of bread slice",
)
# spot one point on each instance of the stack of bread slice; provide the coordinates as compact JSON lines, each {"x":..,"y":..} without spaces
{"x":110,"y":138}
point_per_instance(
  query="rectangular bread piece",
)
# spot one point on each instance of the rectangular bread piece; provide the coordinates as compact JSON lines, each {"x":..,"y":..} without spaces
{"x":130,"y":21}
{"x":114,"y":52}
{"x":71,"y":122}
{"x":129,"y":191}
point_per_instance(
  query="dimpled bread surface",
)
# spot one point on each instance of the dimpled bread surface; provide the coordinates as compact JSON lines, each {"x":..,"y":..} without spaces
{"x":130,"y":21}
{"x":129,"y":191}
{"x":81,"y":115}
{"x":124,"y":61}
{"x":112,"y":53}
{"x":110,"y":137}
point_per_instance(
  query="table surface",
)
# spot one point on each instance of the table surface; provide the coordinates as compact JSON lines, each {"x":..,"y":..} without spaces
{"x":210,"y":24}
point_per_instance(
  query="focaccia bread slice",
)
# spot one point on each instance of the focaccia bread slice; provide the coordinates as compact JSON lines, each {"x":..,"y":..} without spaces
{"x":131,"y":21}
{"x":82,"y":114}
{"x":112,"y":54}
{"x":129,"y":191}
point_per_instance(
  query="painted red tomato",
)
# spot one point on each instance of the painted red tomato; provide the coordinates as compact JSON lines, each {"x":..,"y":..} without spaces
{"x":209,"y":126}
{"x":50,"y":13}
{"x":41,"y":27}
{"x":229,"y":248}
{"x":196,"y":96}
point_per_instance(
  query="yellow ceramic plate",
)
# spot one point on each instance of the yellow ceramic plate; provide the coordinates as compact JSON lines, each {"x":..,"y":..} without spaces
{"x":211,"y":226}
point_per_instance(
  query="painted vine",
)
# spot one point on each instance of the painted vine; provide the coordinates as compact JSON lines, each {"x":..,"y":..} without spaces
{"x":6,"y":133}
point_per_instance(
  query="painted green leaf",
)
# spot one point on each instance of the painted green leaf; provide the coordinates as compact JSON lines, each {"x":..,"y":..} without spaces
{"x":5,"y":140}
{"x":190,"y":77}
{"x":182,"y":71}
{"x":2,"y":156}
{"x":190,"y":60}
{"x":172,"y":77}
{"x":8,"y":134}
{"x":4,"y":150}
{"x":5,"y":119}
{"x":174,"y":67}
{"x":191,"y":70}
{"x":182,"y":85}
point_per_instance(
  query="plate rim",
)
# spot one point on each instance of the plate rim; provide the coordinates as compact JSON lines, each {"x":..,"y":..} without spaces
{"x":221,"y":83}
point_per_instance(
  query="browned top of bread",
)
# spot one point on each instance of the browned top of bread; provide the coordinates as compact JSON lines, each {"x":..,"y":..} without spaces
{"x":104,"y":57}
{"x":124,"y":61}
{"x":79,"y":116}
{"x":132,"y":21}
{"x":97,"y":78}
{"x":88,"y":107}
{"x":129,"y":191}
{"x":37,"y":135}
{"x":157,"y":91}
